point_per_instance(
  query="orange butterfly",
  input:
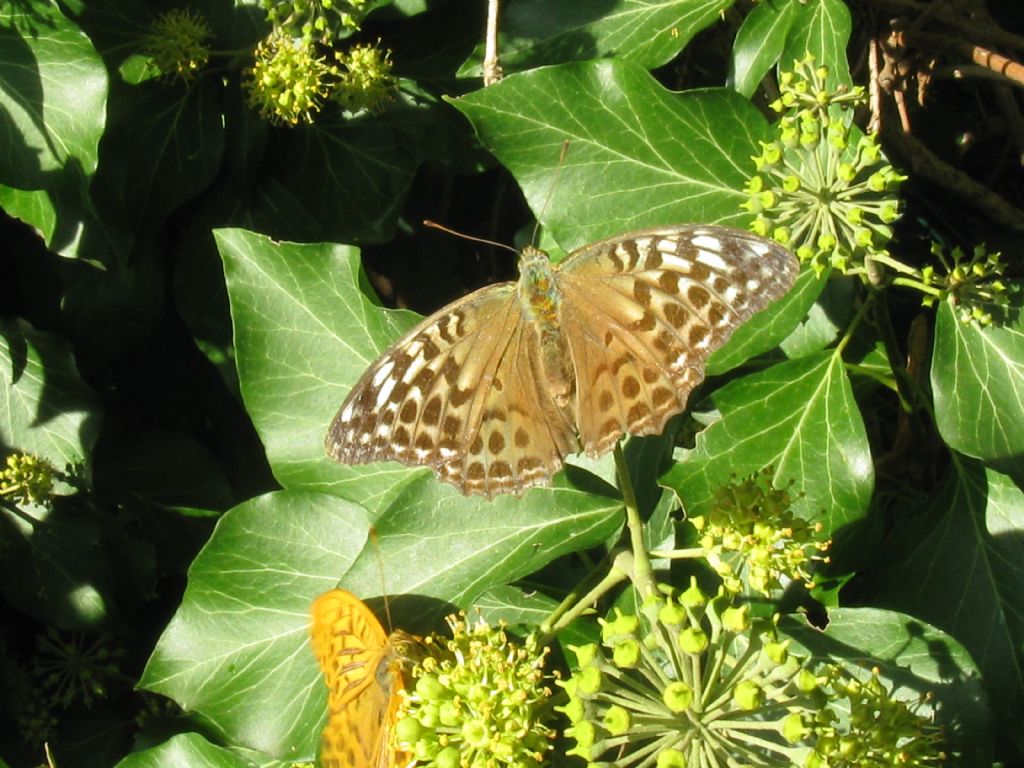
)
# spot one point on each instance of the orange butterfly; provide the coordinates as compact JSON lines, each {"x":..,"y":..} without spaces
{"x":363,"y":669}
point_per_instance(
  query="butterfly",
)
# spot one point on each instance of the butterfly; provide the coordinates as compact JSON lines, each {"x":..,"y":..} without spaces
{"x":363,"y":670}
{"x":493,"y":391}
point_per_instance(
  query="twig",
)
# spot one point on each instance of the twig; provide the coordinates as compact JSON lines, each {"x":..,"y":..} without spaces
{"x":492,"y":69}
{"x":919,"y":159}
{"x":948,"y":14}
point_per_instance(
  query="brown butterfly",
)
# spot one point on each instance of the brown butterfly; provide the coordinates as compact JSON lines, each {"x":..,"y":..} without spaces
{"x":493,"y":391}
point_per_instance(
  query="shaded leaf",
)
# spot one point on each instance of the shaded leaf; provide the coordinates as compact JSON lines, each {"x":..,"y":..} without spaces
{"x":534,"y":33}
{"x":977,"y":377}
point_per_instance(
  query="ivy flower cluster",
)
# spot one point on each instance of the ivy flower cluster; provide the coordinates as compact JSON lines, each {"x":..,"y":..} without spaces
{"x":822,"y":187}
{"x":695,"y":681}
{"x":178,"y":43}
{"x":973,"y":285}
{"x":751,"y":536}
{"x":478,"y":701}
{"x":365,"y":81}
{"x":315,"y":20}
{"x":73,"y":668}
{"x":288,"y":82}
{"x":27,"y":479}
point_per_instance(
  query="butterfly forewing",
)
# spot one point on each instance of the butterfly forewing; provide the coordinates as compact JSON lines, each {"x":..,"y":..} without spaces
{"x":643,"y":313}
{"x":495,"y":390}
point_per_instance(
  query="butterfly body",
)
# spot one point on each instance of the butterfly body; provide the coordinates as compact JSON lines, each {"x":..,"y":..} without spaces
{"x":363,"y":668}
{"x":495,"y":390}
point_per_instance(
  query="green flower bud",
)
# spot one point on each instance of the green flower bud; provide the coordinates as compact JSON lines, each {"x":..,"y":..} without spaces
{"x":617,"y":720}
{"x":590,"y":680}
{"x":408,"y":730}
{"x":671,"y":758}
{"x":677,"y":697}
{"x":793,"y":728}
{"x":626,"y":654}
{"x":693,"y":640}
{"x":748,"y":695}
{"x":447,"y":758}
{"x":736,"y":620}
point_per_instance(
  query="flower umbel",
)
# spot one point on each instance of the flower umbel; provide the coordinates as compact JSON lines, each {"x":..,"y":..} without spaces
{"x":73,"y":668}
{"x":287,"y":82}
{"x":315,"y":20}
{"x":699,"y":682}
{"x":27,"y":479}
{"x":477,"y":701}
{"x":822,"y":187}
{"x":365,"y":82}
{"x":752,"y":536}
{"x":973,"y":285}
{"x":177,"y":43}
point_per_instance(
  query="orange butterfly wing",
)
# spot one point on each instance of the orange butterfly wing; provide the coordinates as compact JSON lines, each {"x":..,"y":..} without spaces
{"x":363,"y":672}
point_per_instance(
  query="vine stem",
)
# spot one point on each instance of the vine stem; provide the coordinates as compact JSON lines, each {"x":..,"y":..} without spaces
{"x":642,"y":572}
{"x":632,"y":563}
{"x":576,"y":603}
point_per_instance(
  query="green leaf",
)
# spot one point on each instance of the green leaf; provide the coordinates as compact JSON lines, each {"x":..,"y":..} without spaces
{"x":534,"y":33}
{"x":913,"y":660}
{"x":74,"y":586}
{"x":441,"y":548}
{"x":185,"y":749}
{"x":759,"y":43}
{"x":237,"y":651}
{"x":48,"y":409}
{"x":351,"y":175}
{"x":825,"y":320}
{"x":799,"y":417}
{"x":821,"y":28}
{"x":639,"y":155}
{"x":163,"y":147}
{"x":977,"y":377}
{"x":766,"y":329}
{"x":519,"y":608}
{"x":304,"y":333}
{"x":956,"y":562}
{"x":53,"y":92}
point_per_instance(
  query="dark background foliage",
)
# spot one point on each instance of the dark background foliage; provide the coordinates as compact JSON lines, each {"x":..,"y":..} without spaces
{"x":178,"y":323}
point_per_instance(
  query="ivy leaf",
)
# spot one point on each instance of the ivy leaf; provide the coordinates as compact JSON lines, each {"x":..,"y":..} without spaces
{"x":913,"y":660}
{"x":185,"y":749}
{"x":534,"y":33}
{"x":977,"y":377}
{"x":799,"y":417}
{"x":955,"y":562}
{"x":759,"y":44}
{"x":53,"y":97}
{"x":822,"y":29}
{"x":48,"y":409}
{"x":639,"y":155}
{"x":237,"y":650}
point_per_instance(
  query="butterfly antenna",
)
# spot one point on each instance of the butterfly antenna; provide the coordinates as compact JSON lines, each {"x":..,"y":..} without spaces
{"x":551,"y":190}
{"x":384,"y":587}
{"x":443,"y":228}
